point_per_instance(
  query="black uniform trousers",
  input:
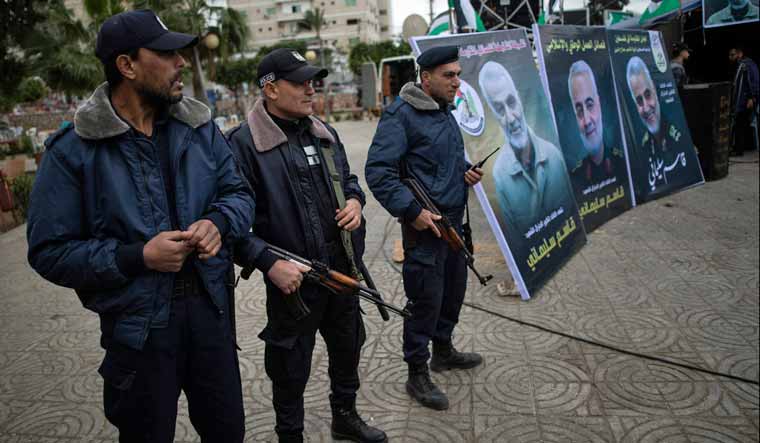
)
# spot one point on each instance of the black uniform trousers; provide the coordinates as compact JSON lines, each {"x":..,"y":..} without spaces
{"x":339,"y":321}
{"x":196,"y":353}
{"x":744,"y":132}
{"x":435,"y":281}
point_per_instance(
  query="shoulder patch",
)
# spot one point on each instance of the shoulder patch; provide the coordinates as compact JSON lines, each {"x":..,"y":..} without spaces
{"x":67,"y":126}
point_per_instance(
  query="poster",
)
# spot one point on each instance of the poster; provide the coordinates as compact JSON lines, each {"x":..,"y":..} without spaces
{"x":575,"y":68}
{"x":526,"y":192}
{"x":729,"y":12}
{"x":660,"y":150}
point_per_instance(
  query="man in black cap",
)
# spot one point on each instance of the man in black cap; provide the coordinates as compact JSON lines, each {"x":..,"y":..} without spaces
{"x":418,"y":136}
{"x":136,"y":207}
{"x":308,"y":203}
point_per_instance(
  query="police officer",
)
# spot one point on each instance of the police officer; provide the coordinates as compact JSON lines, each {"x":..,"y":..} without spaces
{"x":135,"y":207}
{"x":419,"y":136}
{"x":311,"y":205}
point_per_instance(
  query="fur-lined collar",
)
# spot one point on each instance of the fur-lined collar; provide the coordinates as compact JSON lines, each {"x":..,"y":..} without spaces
{"x":267,"y":135}
{"x":415,"y":96}
{"x":96,"y":119}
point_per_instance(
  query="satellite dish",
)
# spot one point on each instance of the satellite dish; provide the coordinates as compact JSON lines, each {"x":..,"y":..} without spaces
{"x":414,"y":26}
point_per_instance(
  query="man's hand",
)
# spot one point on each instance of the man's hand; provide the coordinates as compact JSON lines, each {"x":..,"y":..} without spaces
{"x":166,"y":252}
{"x":750,"y":103}
{"x":287,"y":276}
{"x":204,"y":238}
{"x":473,"y":176}
{"x":350,"y":217}
{"x":426,"y":220}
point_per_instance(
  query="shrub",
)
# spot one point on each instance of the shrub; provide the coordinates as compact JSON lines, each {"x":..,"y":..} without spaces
{"x":21,"y":187}
{"x":31,"y":89}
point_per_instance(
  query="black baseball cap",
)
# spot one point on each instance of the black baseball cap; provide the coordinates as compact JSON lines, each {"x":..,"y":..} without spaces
{"x":288,"y":64}
{"x":130,"y":30}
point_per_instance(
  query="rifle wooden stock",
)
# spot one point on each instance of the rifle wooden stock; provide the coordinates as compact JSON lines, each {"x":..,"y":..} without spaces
{"x":335,"y":281}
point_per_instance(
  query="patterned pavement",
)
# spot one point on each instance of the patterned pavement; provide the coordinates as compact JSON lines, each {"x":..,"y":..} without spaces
{"x":675,"y":278}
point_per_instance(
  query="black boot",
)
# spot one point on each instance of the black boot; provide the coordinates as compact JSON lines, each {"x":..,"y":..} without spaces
{"x":446,"y":357}
{"x":422,"y":388}
{"x":347,"y":425}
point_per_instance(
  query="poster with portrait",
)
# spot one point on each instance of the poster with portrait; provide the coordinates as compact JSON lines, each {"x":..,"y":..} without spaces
{"x":729,"y":12}
{"x":526,"y":192}
{"x":576,"y":71}
{"x":660,"y":150}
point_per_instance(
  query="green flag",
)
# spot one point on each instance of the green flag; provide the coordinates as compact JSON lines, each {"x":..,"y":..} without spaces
{"x":658,"y":9}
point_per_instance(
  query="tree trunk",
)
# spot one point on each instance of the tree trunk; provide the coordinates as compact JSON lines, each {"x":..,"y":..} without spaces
{"x":199,"y":87}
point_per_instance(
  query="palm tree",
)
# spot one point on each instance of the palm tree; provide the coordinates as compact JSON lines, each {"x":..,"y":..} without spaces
{"x":314,"y":19}
{"x":232,"y":30}
{"x":61,"y":50}
{"x":189,"y":16}
{"x":100,"y":10}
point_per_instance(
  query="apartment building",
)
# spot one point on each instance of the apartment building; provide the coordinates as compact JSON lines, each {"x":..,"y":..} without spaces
{"x":347,"y":22}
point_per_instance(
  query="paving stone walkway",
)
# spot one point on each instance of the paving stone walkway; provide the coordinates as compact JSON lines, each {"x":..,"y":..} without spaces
{"x":675,"y":278}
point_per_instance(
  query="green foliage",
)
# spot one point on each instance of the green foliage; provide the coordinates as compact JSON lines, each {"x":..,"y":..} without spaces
{"x":21,"y":187}
{"x":26,"y":145}
{"x":374,"y":52}
{"x":233,"y":32}
{"x":31,"y":89}
{"x":314,"y":19}
{"x":298,"y":45}
{"x":235,"y":73}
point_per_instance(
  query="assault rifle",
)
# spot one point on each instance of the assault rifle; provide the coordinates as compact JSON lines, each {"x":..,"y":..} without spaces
{"x":448,"y":233}
{"x":338,"y":283}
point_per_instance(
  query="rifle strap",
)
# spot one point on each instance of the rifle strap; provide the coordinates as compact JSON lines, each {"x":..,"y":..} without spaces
{"x":345,"y":236}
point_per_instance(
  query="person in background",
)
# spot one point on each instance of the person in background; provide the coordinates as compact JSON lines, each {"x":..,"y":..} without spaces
{"x":744,"y":100}
{"x":680,"y":54}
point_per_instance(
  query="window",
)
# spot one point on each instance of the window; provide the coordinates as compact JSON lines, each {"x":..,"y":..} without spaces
{"x":295,"y":9}
{"x":352,"y":21}
{"x":353,"y":41}
{"x":383,"y":12}
{"x":350,"y":2}
{"x":271,"y":11}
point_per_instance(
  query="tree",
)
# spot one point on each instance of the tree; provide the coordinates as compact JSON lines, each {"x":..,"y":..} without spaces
{"x":314,"y":19}
{"x":296,"y":45}
{"x":31,"y":89}
{"x":234,"y":73}
{"x":189,"y":16}
{"x":374,"y":52}
{"x":100,"y":10}
{"x":17,"y":17}
{"x":63,"y":50}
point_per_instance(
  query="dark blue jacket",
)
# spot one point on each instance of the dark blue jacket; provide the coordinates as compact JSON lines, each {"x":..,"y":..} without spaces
{"x":99,"y":194}
{"x":414,"y":129}
{"x":746,"y":84}
{"x":286,"y":216}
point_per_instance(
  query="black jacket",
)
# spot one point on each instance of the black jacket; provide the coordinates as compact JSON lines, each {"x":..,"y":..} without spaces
{"x":284,"y":217}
